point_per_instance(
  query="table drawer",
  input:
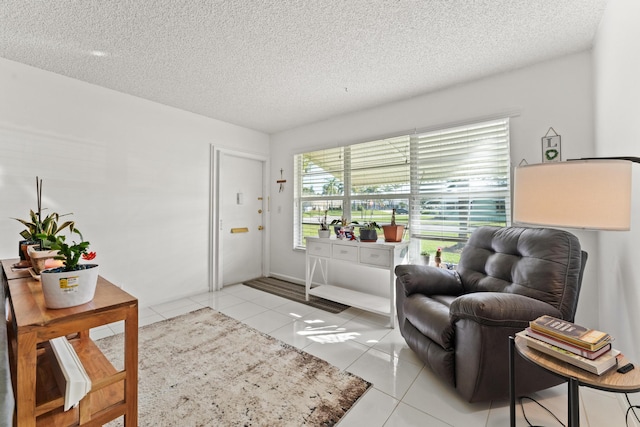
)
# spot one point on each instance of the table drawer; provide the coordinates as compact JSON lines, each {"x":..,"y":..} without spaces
{"x":319,"y":249}
{"x":377,"y":257}
{"x":345,"y":253}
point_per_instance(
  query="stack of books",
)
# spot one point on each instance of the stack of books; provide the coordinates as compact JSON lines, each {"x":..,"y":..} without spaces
{"x":585,"y":348}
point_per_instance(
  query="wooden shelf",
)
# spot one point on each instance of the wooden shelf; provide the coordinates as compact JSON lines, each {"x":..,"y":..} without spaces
{"x":31,"y":325}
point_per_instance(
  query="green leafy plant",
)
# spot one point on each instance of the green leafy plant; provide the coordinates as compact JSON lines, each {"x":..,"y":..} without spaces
{"x":70,"y":255}
{"x":370,"y":226}
{"x":37,"y":226}
{"x":425,"y":253}
{"x":343,"y":221}
{"x":47,"y":226}
{"x":323,"y":222}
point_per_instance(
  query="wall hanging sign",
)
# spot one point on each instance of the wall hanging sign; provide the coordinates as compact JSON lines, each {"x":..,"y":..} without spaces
{"x":281,"y":182}
{"x":551,"y":147}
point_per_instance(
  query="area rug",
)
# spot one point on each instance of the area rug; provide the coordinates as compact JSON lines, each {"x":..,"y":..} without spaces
{"x":294,"y":292}
{"x":207,"y":369}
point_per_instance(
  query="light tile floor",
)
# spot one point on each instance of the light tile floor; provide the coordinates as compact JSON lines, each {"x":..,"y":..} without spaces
{"x":404,"y":392}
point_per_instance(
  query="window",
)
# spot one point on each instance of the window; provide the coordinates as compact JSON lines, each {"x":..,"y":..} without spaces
{"x":443,"y":184}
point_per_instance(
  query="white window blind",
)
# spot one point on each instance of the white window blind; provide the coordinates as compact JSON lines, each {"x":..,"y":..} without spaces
{"x":451,"y":181}
{"x":461,"y":180}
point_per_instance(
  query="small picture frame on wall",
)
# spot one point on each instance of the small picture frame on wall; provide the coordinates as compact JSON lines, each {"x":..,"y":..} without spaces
{"x":551,"y":147}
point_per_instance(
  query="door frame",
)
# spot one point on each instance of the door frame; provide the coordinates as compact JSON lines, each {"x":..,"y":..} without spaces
{"x":215,"y":240}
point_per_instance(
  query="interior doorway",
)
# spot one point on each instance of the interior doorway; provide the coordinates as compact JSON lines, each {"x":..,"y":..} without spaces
{"x":239,"y":214}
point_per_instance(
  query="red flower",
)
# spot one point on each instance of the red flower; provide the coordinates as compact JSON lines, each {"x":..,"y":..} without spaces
{"x":89,"y":256}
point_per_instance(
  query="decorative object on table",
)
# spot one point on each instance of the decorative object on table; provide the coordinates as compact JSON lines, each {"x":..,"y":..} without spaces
{"x":393,"y":232}
{"x":368,"y":232}
{"x":425,"y":257}
{"x":73,"y":283}
{"x":258,"y":379}
{"x":438,"y":257}
{"x":340,"y":223}
{"x":596,"y":366}
{"x":588,"y":339}
{"x":324,"y":231}
{"x":551,"y":148}
{"x":36,"y":226}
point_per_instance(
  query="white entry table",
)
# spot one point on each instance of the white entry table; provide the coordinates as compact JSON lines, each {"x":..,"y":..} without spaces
{"x":382,"y":255}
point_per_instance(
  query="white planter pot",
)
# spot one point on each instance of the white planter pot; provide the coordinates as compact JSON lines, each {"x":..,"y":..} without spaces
{"x":325,"y":234}
{"x":69,"y":288}
{"x":38,"y":258}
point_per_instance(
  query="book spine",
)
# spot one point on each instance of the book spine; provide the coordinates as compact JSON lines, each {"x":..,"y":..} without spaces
{"x":562,"y":337}
{"x":592,"y":355}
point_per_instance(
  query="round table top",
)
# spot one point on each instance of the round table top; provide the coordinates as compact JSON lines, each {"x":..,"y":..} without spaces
{"x":609,"y":381}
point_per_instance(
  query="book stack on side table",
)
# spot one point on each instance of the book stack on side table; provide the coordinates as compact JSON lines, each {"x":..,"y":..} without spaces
{"x":585,"y":348}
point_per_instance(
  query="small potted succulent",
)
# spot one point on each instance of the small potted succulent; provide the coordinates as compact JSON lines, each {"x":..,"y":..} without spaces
{"x":73,"y":283}
{"x":438,"y":258}
{"x":324,"y":231}
{"x":393,"y":232}
{"x":425,"y":257}
{"x":368,"y":232}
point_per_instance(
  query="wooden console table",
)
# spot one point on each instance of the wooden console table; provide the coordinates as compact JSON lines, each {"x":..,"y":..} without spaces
{"x":30,"y":325}
{"x":381,"y":255}
{"x":611,"y":380}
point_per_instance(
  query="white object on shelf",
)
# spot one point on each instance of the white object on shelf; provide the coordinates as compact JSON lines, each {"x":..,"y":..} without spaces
{"x":69,"y":372}
{"x":379,"y":255}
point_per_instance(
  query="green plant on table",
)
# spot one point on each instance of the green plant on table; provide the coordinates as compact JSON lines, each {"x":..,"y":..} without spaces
{"x":37,"y":226}
{"x":70,"y":255}
{"x":370,"y":226}
{"x":323,"y":222}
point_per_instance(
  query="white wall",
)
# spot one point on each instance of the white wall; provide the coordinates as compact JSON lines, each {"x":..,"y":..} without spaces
{"x":617,"y":118}
{"x":134,"y":173}
{"x":557,"y":93}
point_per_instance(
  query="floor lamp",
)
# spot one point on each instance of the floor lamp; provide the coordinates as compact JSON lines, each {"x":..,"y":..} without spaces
{"x":592,"y":194}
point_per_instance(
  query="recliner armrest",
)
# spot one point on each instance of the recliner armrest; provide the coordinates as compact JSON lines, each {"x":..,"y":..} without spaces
{"x":427,"y":280}
{"x":500,"y":309}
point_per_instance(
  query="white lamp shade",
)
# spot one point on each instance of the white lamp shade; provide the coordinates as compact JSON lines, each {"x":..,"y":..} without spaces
{"x":591,"y":194}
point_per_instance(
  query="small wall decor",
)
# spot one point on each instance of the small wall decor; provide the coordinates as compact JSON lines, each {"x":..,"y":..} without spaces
{"x":551,"y":147}
{"x":281,"y":181}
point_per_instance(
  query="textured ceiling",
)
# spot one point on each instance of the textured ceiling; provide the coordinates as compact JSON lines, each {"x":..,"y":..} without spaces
{"x":275,"y":65}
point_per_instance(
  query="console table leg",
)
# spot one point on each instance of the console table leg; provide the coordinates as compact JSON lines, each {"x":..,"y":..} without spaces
{"x":574,"y":403}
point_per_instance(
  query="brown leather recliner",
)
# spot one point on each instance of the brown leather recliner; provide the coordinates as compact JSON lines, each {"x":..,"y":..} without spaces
{"x":459,"y":322}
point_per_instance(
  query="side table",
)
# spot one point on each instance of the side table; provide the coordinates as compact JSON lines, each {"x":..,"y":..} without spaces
{"x":611,"y":380}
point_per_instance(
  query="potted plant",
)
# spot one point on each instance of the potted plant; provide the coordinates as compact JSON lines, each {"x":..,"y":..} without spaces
{"x":368,"y":232}
{"x":438,"y":258}
{"x":324,"y":231}
{"x":73,"y":283}
{"x":33,"y":250}
{"x":424,"y":257}
{"x":393,"y":232}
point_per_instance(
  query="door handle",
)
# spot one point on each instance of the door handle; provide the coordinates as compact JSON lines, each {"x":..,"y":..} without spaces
{"x":260,"y":228}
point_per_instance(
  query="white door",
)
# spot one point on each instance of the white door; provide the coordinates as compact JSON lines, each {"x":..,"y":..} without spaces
{"x":241,"y":208}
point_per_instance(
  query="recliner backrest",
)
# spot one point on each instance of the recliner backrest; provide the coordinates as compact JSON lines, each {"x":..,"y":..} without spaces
{"x":541,"y":263}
